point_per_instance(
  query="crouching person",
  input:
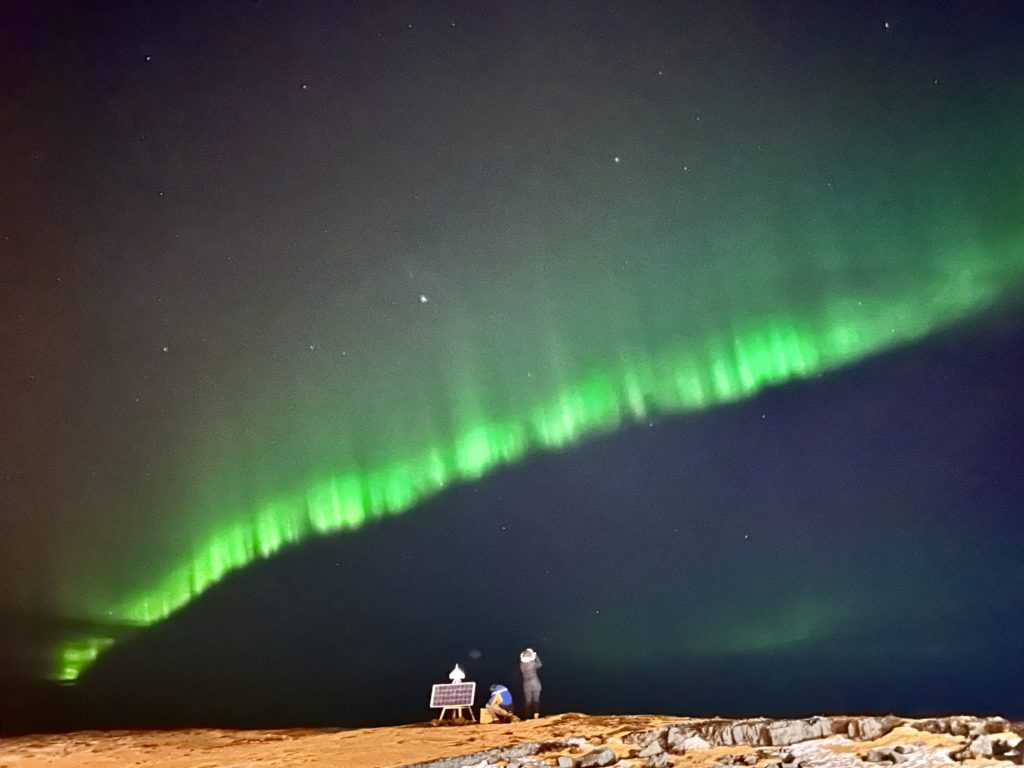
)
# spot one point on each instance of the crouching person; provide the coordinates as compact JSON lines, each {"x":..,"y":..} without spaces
{"x":500,"y":705}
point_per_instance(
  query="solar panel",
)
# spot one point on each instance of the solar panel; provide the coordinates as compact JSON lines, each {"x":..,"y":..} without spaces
{"x":445,"y":695}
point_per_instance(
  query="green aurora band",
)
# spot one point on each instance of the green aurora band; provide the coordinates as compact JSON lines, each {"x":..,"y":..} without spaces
{"x":762,"y":352}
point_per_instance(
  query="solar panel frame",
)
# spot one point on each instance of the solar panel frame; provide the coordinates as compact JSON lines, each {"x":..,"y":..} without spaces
{"x":448,"y":695}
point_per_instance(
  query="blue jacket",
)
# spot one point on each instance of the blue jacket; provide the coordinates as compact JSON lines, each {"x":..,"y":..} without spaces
{"x":502,"y":691}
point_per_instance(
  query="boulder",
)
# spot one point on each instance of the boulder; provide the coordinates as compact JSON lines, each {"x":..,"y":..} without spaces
{"x":750,"y":759}
{"x":785,"y":732}
{"x":1002,"y":746}
{"x":652,"y":749}
{"x":514,"y":755}
{"x":644,"y":738}
{"x":958,"y":727}
{"x":981,"y":746}
{"x":659,"y":761}
{"x":749,"y":734}
{"x":675,"y":736}
{"x":995,"y":725}
{"x":598,"y":758}
{"x":729,"y":733}
{"x":870,"y":728}
{"x":564,"y":761}
{"x":691,"y":743}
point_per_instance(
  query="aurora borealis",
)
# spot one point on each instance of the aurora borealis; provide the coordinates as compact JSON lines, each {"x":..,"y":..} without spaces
{"x":274,"y":273}
{"x":731,"y":369}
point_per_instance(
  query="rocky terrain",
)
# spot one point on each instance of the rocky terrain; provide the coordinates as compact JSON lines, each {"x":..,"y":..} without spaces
{"x":820,"y":742}
{"x":563,"y":741}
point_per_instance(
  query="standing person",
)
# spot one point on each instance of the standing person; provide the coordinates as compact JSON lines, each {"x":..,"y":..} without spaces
{"x":529,"y":663}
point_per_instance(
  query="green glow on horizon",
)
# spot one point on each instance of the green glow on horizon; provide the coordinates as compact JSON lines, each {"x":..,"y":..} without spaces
{"x":723,"y":369}
{"x":77,"y":654}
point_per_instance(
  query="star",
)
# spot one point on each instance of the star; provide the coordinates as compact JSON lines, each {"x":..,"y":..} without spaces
{"x":617,"y":159}
{"x":886,"y":25}
{"x":424,"y":298}
{"x":165,"y":348}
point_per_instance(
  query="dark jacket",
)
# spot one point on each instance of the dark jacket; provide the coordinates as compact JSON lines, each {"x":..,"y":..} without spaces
{"x":528,"y":669}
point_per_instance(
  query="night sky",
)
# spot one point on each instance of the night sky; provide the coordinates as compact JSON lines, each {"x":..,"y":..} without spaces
{"x":340,"y":342}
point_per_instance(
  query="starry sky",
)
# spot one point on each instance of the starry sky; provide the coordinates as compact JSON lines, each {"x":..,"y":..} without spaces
{"x":688,"y":335}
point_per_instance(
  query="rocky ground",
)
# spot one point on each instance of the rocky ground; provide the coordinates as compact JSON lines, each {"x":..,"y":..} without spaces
{"x":563,"y":741}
